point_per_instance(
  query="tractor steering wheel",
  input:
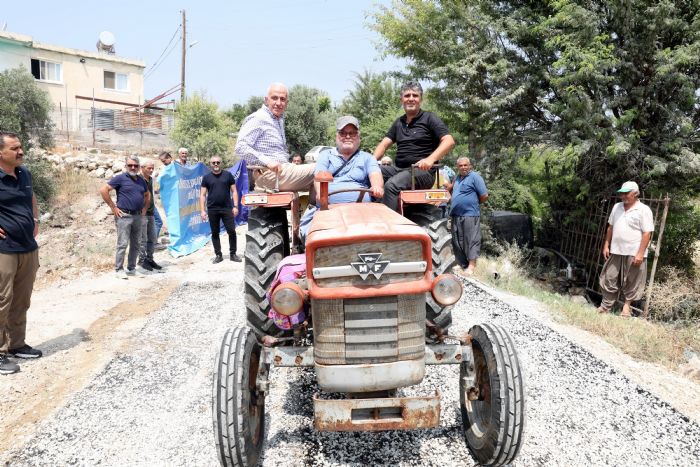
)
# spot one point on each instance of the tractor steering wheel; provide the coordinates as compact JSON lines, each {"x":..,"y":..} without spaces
{"x":361,"y":192}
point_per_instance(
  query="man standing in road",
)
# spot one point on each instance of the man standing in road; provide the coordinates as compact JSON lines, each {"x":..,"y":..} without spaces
{"x":421,"y":138}
{"x":627,"y":237}
{"x":133,"y":199}
{"x":220,"y":197}
{"x":19,"y":252}
{"x":262,"y":142}
{"x":468,"y":192}
{"x":148,"y":224}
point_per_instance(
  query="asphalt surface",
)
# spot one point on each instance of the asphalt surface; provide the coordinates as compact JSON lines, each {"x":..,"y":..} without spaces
{"x":151,"y":404}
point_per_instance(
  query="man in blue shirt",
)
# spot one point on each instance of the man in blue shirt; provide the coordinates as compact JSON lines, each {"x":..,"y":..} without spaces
{"x":468,"y":192}
{"x":350,"y":167}
{"x":133,"y":199}
{"x":19,"y":252}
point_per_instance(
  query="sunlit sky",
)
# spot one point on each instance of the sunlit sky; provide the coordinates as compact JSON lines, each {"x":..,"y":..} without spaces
{"x":241,"y":46}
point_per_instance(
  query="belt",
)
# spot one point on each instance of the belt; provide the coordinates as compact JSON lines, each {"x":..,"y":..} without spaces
{"x":129,"y":211}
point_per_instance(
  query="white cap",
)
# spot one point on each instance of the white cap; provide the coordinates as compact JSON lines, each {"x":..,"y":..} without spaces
{"x":629,"y":186}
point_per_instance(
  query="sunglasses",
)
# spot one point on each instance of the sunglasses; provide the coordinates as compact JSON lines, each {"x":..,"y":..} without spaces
{"x":215,"y":163}
{"x":349,"y":134}
{"x":132,"y":165}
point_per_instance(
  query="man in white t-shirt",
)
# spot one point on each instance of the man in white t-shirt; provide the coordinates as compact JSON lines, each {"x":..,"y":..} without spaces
{"x":630,"y":226}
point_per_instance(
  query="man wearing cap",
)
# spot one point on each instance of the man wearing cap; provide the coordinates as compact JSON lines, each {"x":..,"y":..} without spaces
{"x":262,"y":142}
{"x":630,"y":226}
{"x":421,"y":138}
{"x":350,"y":167}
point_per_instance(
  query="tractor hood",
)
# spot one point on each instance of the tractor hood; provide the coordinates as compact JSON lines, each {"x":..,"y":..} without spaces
{"x":347,"y":235}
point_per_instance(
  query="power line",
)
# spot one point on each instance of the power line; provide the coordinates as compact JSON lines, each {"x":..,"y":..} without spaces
{"x":156,"y":66}
{"x":166,"y":47}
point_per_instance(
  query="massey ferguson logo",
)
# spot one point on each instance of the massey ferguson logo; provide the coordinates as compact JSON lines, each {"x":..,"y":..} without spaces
{"x":369,"y":264}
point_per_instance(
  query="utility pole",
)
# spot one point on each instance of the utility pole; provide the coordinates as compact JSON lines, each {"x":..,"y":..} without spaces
{"x":184,"y":57}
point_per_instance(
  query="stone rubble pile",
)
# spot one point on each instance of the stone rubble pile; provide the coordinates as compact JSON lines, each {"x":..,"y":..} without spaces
{"x":95,"y":162}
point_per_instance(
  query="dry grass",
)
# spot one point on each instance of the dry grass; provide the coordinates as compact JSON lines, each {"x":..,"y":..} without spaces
{"x":72,"y":185}
{"x":652,"y":341}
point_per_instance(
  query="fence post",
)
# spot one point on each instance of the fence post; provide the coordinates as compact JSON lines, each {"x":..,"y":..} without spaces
{"x":657,"y":251}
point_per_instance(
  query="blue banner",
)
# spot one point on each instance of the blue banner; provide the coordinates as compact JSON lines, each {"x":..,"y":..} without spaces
{"x":240,"y":173}
{"x":179,"y":192}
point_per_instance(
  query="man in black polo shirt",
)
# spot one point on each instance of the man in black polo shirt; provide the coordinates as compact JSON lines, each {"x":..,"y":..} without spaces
{"x":133,"y":199}
{"x":219,"y":195}
{"x":421,"y":138}
{"x":19,"y":252}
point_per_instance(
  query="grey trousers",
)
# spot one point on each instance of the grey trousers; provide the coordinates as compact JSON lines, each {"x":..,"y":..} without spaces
{"x":128,"y":233}
{"x":148,"y":238}
{"x":618,"y":275}
{"x":466,"y":238}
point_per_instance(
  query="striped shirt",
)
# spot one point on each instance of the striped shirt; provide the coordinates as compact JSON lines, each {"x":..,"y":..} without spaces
{"x":261,"y":139}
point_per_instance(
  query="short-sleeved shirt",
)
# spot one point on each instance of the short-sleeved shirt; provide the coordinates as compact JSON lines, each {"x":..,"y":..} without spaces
{"x":418,"y":139}
{"x":16,"y":212}
{"x":628,"y":226}
{"x":355,"y":174}
{"x":130,"y":191}
{"x":152,"y":205}
{"x":219,"y":189}
{"x":466,"y":192}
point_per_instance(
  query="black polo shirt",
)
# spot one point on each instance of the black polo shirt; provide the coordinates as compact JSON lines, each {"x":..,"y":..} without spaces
{"x":418,"y":139}
{"x":219,"y":189}
{"x":16,"y":213}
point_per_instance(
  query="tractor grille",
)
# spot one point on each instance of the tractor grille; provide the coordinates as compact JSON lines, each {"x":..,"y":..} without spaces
{"x":369,"y":330}
{"x":403,"y":251}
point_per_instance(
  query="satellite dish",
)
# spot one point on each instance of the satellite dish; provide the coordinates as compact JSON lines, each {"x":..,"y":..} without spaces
{"x":106,"y":42}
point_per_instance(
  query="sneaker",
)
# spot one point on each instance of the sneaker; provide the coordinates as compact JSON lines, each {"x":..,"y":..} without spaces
{"x":121,"y":274}
{"x":146,"y":265}
{"x":25,"y":351}
{"x":6,"y":366}
{"x":130,"y":272}
{"x":160,"y":246}
{"x":153,"y":264}
{"x":235,"y":257}
{"x":217,"y":259}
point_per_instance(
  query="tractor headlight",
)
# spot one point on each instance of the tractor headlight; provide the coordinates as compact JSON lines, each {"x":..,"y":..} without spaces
{"x":447,"y":289}
{"x":287,"y":299}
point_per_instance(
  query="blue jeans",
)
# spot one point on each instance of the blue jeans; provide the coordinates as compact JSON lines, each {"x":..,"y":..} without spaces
{"x":158,"y":220}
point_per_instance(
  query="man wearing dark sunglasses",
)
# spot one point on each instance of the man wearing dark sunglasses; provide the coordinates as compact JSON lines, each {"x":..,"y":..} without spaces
{"x":133,"y":199}
{"x":218,"y":201}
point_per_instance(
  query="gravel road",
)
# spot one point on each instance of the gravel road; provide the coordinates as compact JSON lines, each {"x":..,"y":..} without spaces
{"x":151,"y":404}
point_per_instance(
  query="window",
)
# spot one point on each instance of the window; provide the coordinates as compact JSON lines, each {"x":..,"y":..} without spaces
{"x":47,"y":71}
{"x":116,"y":81}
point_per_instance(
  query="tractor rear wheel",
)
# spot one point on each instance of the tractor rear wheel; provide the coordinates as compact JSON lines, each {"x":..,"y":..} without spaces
{"x":267,"y":243}
{"x":430,"y":218}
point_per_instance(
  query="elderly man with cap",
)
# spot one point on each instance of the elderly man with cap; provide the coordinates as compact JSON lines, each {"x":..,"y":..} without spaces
{"x":350,"y":167}
{"x":630,"y":226}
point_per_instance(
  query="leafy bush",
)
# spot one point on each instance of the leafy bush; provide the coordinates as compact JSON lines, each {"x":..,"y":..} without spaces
{"x":676,"y":297}
{"x":43,"y":179}
{"x":202,"y":128}
{"x":24,"y":108}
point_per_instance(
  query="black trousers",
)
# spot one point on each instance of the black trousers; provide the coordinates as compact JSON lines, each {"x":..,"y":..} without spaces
{"x":397,"y":180}
{"x":215,"y":218}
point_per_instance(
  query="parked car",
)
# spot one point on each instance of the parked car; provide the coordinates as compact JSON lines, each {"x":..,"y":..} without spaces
{"x":312,"y":155}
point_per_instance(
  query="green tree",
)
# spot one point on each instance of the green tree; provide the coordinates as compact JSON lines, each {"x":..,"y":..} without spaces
{"x":594,"y":93}
{"x":202,"y":128}
{"x":308,"y":119}
{"x":375,"y":101}
{"x":25,"y":108}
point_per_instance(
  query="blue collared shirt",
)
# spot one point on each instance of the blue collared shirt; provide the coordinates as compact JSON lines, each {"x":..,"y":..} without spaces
{"x":261,"y":139}
{"x":355,"y":174}
{"x":16,"y":212}
{"x":466,"y":193}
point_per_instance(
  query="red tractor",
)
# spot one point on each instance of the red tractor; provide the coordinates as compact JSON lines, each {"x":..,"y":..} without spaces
{"x":377,"y":294}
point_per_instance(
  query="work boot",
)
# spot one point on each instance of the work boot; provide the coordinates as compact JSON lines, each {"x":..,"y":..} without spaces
{"x":153,"y":264}
{"x":235,"y":257}
{"x":217,"y":259}
{"x":146,"y":265}
{"x":6,"y":366}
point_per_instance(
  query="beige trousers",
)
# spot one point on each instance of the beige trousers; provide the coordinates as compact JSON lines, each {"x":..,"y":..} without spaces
{"x":17,"y":274}
{"x":618,"y":275}
{"x":292,"y":177}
